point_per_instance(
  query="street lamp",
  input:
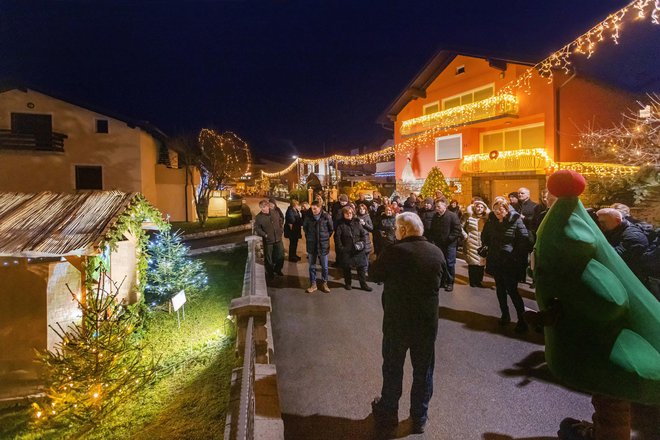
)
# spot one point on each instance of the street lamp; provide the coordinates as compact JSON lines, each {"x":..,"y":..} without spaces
{"x":294,"y":157}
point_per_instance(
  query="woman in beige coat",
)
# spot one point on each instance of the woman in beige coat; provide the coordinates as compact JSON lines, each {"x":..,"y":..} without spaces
{"x":473,"y":223}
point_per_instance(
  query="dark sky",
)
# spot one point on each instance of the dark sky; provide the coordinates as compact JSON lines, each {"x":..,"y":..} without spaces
{"x":287,"y":76}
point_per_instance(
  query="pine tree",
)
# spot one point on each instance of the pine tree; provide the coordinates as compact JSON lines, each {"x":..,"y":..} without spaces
{"x":97,"y":363}
{"x":435,"y":181}
{"x":171,"y":269}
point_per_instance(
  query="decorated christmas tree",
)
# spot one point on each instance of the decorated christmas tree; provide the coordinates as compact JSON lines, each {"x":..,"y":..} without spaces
{"x":97,"y":363}
{"x":360,"y":187}
{"x":171,"y":269}
{"x":434,"y":182}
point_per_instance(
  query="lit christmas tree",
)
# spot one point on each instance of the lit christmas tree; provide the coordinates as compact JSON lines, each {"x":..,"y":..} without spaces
{"x":360,"y":186}
{"x":172,"y":270}
{"x":434,"y":182}
{"x":97,"y":363}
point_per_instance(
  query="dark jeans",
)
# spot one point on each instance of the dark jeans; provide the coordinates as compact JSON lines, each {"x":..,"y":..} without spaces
{"x":323,"y":259}
{"x":507,"y":284}
{"x":450,"y":257}
{"x":422,"y":357}
{"x":293,"y":248}
{"x":475,"y":274}
{"x":361,"y":273}
{"x":273,"y":257}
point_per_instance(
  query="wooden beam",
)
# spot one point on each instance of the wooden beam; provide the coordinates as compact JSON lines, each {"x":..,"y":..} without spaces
{"x":417,"y":93}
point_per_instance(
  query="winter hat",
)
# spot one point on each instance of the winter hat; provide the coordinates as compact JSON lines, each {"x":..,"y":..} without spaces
{"x":428,"y":201}
{"x":343,"y":198}
{"x":480,"y":202}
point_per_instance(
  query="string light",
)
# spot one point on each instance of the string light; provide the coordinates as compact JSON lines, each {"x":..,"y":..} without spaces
{"x":448,"y":120}
{"x":597,"y":169}
{"x":585,"y":44}
{"x":465,"y":114}
{"x":514,"y":160}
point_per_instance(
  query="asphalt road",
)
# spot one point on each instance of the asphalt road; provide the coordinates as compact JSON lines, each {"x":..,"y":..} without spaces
{"x":490,"y":383}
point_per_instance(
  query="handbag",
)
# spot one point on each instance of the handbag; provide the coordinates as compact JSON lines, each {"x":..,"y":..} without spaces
{"x":358,"y":246}
{"x":483,"y":251}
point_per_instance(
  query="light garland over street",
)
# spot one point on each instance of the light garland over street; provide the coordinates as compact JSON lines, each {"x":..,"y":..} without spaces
{"x":585,"y":44}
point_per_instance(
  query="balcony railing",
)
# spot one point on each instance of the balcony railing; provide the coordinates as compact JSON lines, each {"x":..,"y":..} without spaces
{"x":10,"y":140}
{"x":534,"y":159}
{"x":494,"y":107}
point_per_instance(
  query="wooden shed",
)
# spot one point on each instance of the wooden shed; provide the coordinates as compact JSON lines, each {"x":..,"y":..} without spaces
{"x":46,"y":241}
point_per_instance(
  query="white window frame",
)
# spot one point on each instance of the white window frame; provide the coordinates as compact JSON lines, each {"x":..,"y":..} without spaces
{"x":451,"y":136}
{"x":518,"y":128}
{"x":476,"y":89}
{"x":425,"y":106}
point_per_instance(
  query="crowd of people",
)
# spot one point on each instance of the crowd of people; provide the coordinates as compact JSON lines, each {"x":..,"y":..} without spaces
{"x":411,"y":248}
{"x":497,"y":240}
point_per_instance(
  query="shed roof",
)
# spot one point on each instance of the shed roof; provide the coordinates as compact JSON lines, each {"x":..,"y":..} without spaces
{"x":48,"y":224}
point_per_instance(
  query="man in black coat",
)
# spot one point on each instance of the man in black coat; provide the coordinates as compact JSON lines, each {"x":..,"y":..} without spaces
{"x":445,"y":232}
{"x":268,"y":224}
{"x":317,"y":225}
{"x":526,"y":207}
{"x":426,"y":213}
{"x":412,"y":270}
{"x":627,"y":239}
{"x":292,"y":228}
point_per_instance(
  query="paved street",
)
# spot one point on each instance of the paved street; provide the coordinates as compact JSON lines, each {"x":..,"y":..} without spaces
{"x":490,"y":383}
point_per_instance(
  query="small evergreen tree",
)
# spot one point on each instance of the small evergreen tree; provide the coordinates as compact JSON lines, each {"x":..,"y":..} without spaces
{"x":171,"y":269}
{"x":435,"y":181}
{"x":97,"y":363}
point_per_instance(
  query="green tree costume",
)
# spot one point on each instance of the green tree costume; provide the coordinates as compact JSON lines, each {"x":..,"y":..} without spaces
{"x":604,"y":337}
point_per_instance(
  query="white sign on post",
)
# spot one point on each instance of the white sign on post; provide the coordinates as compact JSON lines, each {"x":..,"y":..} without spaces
{"x":178,"y":301}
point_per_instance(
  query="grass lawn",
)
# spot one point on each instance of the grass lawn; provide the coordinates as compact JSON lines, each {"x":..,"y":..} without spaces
{"x":190,"y":398}
{"x":211,"y":224}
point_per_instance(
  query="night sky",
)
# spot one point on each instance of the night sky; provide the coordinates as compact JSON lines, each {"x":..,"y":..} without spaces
{"x":287,"y":76}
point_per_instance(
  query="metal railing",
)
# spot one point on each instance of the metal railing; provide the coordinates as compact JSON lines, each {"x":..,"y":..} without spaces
{"x":245,"y":423}
{"x":10,"y":140}
{"x":534,"y":159}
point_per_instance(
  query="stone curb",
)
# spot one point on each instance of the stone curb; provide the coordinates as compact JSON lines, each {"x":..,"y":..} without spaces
{"x":218,"y":232}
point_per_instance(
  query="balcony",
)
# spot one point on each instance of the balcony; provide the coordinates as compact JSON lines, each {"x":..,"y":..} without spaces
{"x":535,"y":159}
{"x":10,"y":140}
{"x":495,"y":107}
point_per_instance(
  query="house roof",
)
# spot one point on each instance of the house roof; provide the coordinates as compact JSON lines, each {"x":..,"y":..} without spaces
{"x":131,"y":122}
{"x":48,"y":224}
{"x":434,"y":67}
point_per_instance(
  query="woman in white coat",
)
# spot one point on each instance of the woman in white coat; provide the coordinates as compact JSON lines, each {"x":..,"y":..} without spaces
{"x":473,"y":223}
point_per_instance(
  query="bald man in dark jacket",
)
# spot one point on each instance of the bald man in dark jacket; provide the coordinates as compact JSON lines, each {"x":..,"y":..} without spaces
{"x":412,"y":270}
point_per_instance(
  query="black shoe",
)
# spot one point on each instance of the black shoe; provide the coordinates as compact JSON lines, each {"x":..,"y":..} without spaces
{"x":418,"y":426}
{"x":279,"y":272}
{"x":380,"y":283}
{"x":479,"y":285}
{"x":572,"y":429}
{"x":384,"y":418}
{"x":366,"y":287}
{"x":504,"y":321}
{"x":449,"y":288}
{"x":294,"y":259}
{"x":348,"y":287}
{"x":521,"y":327}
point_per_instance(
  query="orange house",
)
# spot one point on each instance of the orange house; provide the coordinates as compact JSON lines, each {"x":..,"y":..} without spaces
{"x":490,"y":143}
